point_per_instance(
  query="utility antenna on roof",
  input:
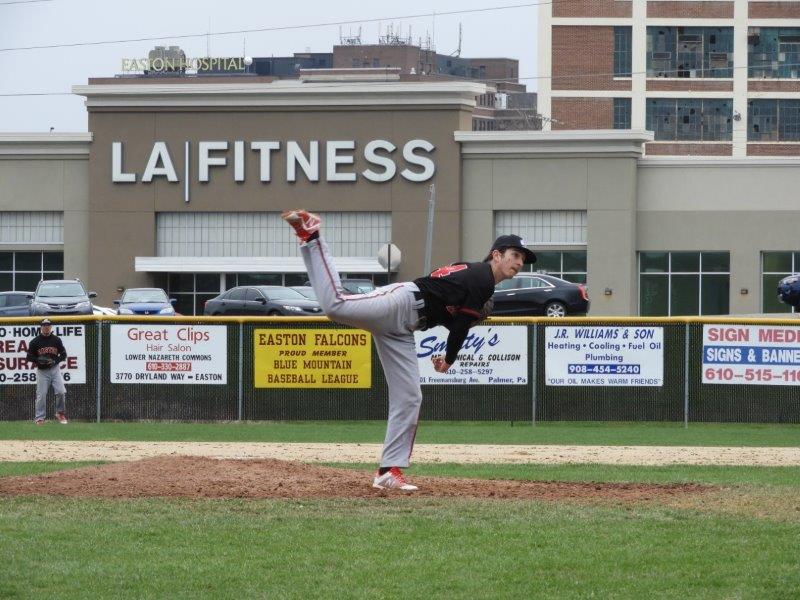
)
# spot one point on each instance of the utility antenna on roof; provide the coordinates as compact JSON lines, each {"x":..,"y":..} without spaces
{"x":350,"y":39}
{"x":457,"y":53}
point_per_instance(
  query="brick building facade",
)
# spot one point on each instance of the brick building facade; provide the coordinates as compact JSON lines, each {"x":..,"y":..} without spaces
{"x":708,"y":77}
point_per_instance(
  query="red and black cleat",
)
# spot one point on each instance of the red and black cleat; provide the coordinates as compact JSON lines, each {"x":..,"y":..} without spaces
{"x":305,"y":224}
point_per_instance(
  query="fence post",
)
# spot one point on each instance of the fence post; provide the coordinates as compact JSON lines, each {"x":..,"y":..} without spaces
{"x":241,"y":362}
{"x":99,"y":360}
{"x":534,"y":381}
{"x":686,"y":378}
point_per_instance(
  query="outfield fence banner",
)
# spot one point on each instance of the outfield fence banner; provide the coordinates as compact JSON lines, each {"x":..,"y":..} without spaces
{"x":682,"y":369}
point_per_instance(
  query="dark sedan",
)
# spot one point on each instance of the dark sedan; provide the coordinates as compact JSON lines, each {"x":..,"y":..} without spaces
{"x":262,"y":300}
{"x":535,"y":294}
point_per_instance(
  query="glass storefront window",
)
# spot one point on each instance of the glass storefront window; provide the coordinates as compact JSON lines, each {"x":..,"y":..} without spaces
{"x":715,"y":295}
{"x":565,"y":264}
{"x":685,"y":295}
{"x":716,"y":262}
{"x":691,"y":283}
{"x":53,"y":261}
{"x":24,"y":270}
{"x":653,"y":295}
{"x":685,"y":262}
{"x":654,"y":262}
{"x":28,"y":261}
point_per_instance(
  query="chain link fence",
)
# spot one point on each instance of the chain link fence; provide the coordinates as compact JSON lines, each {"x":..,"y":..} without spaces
{"x":681,"y":396}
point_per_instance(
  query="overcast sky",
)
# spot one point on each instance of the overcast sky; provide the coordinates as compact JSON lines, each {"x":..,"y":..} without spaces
{"x":509,"y":32}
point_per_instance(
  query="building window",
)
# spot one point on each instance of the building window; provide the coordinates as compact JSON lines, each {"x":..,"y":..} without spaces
{"x":192,"y":290}
{"x":24,"y":270}
{"x":622,"y":113}
{"x":690,"y":52}
{"x":566,"y":264}
{"x":683,"y":119}
{"x":773,"y":52}
{"x":774,"y":267}
{"x":544,"y":227}
{"x":622,"y":51}
{"x":376,"y":62}
{"x":773,"y":120}
{"x":684,"y":283}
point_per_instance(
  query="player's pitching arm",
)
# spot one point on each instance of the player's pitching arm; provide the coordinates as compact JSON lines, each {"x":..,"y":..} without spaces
{"x":462,"y":321}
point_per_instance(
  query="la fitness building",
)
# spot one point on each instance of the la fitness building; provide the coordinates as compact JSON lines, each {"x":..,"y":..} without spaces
{"x":180,"y":183}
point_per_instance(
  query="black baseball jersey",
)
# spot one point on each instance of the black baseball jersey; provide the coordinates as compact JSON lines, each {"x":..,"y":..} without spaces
{"x":454,"y":297}
{"x":47,"y":345}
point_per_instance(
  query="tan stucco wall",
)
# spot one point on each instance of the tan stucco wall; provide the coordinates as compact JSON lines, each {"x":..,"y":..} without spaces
{"x":604,"y":187}
{"x":50,"y":183}
{"x":123,"y":214}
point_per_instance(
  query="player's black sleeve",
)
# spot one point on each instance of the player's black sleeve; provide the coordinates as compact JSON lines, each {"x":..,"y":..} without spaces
{"x":62,"y":352}
{"x":32,"y":351}
{"x":458,"y":333}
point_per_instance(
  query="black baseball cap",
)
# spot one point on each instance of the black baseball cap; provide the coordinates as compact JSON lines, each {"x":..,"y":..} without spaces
{"x":46,"y":322}
{"x":511,"y":241}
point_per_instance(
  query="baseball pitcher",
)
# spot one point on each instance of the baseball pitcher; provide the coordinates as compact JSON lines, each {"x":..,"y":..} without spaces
{"x":457,"y":296}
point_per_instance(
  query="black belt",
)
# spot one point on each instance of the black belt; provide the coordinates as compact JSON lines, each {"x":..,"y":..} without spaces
{"x":420,"y":305}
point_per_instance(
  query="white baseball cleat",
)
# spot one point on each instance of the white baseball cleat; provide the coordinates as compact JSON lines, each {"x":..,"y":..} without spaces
{"x":392,"y":480}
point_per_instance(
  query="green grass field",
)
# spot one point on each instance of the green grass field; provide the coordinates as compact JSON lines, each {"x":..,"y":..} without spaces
{"x":616,"y":434}
{"x":740,"y":541}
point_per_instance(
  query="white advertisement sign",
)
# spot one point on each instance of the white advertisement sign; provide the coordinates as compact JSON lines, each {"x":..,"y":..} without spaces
{"x":603,"y":356}
{"x":490,"y":355}
{"x":14,"y":340}
{"x":751,"y":354}
{"x":179,"y":354}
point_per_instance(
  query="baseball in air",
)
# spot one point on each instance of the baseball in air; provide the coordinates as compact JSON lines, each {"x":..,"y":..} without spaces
{"x":248,"y":60}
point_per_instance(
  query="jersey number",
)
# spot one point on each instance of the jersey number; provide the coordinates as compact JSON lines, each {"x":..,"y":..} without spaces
{"x":445,"y":271}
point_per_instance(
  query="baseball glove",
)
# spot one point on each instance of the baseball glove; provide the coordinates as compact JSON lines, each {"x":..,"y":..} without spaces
{"x":44,"y":362}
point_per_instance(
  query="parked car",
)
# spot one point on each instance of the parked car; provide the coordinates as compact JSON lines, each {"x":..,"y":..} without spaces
{"x":145,"y":301}
{"x":15,"y":304}
{"x":262,"y":300}
{"x":352,"y":286}
{"x":306,"y":290}
{"x":61,"y":297}
{"x":532,"y":294}
{"x":358,"y":286}
{"x":789,"y":290}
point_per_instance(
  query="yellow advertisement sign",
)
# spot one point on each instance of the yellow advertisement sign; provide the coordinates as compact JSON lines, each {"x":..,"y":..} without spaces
{"x":312,"y":358}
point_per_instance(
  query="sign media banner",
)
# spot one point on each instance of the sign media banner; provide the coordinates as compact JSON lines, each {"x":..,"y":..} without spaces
{"x":751,"y":354}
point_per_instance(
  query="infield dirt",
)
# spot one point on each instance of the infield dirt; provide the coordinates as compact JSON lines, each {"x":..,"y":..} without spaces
{"x":200,"y":477}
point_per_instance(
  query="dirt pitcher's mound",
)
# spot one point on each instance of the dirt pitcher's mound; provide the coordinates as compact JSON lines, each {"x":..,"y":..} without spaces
{"x":198,"y":477}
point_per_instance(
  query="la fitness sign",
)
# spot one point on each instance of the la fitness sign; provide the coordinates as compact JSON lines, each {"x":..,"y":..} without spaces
{"x":417,"y":164}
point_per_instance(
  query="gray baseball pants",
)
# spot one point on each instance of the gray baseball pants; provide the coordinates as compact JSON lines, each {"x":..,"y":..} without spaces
{"x":390,"y":314}
{"x":44,"y":379}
